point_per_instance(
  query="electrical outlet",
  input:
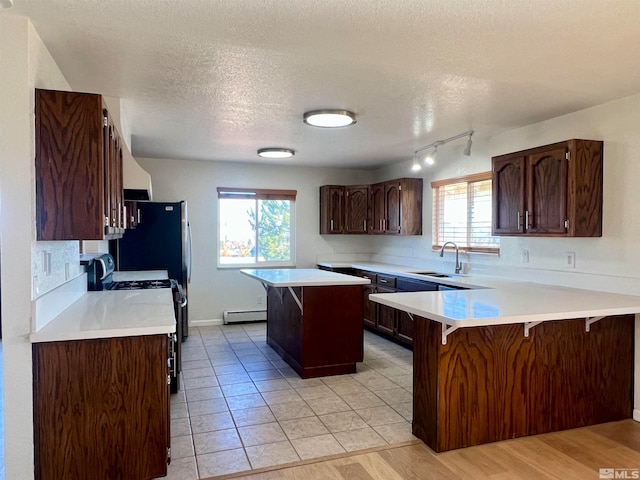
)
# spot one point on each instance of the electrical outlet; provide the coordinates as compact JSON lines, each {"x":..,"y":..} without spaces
{"x":525,"y":256}
{"x":260,"y":299}
{"x":569,"y":259}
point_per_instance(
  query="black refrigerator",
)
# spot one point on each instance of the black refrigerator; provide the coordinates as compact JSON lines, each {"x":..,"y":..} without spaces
{"x":161,"y":241}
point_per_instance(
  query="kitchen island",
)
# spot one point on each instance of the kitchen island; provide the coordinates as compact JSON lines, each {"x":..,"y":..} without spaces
{"x":515,"y":360}
{"x":314,"y":319}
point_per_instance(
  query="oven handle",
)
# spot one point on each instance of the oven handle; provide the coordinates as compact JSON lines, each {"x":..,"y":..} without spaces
{"x":183,"y":298}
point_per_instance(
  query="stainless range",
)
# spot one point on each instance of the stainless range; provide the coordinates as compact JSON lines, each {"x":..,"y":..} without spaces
{"x":100,"y":273}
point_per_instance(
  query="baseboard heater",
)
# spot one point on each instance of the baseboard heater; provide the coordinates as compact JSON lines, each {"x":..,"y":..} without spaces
{"x":235,"y":316}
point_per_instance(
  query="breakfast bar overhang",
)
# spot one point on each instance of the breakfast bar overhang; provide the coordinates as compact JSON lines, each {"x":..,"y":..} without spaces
{"x":517,"y":360}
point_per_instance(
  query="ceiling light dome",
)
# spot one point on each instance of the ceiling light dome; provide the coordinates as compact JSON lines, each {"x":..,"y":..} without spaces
{"x":276,"y":152}
{"x":329,"y":118}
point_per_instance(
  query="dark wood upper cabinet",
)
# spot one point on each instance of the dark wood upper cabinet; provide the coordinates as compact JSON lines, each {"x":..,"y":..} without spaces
{"x":393,"y":208}
{"x":78,"y":166}
{"x":553,"y":190}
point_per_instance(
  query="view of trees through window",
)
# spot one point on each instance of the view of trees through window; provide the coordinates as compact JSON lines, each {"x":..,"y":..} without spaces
{"x":254,"y":231}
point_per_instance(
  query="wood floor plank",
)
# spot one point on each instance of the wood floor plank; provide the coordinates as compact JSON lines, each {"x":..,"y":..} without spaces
{"x":568,"y":455}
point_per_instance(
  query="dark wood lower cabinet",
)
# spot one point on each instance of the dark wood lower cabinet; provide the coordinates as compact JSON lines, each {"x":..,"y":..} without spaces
{"x":493,"y":383}
{"x":369,"y":308}
{"x":101,"y":408}
{"x":324,"y":335}
{"x":404,"y":330}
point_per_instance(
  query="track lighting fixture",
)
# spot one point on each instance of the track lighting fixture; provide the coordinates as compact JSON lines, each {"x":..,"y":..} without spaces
{"x":430,"y":159}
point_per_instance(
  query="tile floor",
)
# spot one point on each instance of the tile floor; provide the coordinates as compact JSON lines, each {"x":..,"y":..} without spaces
{"x":2,"y":471}
{"x":242,"y":407}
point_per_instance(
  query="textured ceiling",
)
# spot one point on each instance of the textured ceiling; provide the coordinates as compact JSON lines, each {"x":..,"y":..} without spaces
{"x":218,"y":79}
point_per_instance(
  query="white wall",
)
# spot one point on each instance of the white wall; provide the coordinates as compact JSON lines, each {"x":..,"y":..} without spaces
{"x":214,"y":290}
{"x":25,"y":63}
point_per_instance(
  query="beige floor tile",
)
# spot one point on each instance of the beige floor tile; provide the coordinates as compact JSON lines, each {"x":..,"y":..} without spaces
{"x":288,"y":372}
{"x":202,"y":407}
{"x":182,"y":469}
{"x":395,"y":432}
{"x":271,"y":454}
{"x":258,"y":366}
{"x":303,"y":427}
{"x":178,"y":397}
{"x":211,"y":422}
{"x":281,"y":396}
{"x":383,"y":415}
{"x":198,"y":372}
{"x":271,"y":385}
{"x":395,"y":395}
{"x":362,"y":400}
{"x":271,"y":374}
{"x":179,"y":410}
{"x":252,"y":356}
{"x":252,"y":416}
{"x":360,"y":439}
{"x":315,"y":392}
{"x":180,"y":427}
{"x":405,"y":409}
{"x":297,"y":382}
{"x":349,"y":388}
{"x":324,"y":405}
{"x":195,"y":364}
{"x":193,"y":353}
{"x":207,"y":393}
{"x":234,"y":389}
{"x":315,"y":447}
{"x":223,"y":360}
{"x":378,"y":383}
{"x":216,"y":441}
{"x":392,"y":372}
{"x":338,"y":380}
{"x":230,"y":378}
{"x":288,"y":411}
{"x":226,"y":369}
{"x":404,"y":380}
{"x":199,"y":382}
{"x":339,"y":422}
{"x":220,"y":463}
{"x":261,"y":434}
{"x":241,"y":402}
{"x":181,"y":447}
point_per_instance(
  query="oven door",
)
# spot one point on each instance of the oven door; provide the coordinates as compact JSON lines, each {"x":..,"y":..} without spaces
{"x":178,"y":306}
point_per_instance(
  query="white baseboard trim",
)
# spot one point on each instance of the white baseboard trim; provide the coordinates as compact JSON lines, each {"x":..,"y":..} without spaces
{"x":205,"y":323}
{"x":636,"y":414}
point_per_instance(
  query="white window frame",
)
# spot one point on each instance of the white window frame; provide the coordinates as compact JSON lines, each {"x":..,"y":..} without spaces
{"x":436,"y":211}
{"x":258,"y":194}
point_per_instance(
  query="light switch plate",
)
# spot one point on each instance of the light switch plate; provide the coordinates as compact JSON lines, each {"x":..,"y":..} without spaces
{"x":569,"y":259}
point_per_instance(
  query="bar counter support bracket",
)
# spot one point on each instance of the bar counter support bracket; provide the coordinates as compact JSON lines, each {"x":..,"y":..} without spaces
{"x":446,"y":331}
{"x":295,"y":297}
{"x":528,"y":326}
{"x":280,"y":294}
{"x":590,"y":321}
{"x":265,"y":286}
{"x":410,"y":316}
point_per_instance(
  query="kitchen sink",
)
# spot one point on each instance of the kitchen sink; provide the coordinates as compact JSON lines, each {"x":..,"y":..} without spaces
{"x":433,"y":274}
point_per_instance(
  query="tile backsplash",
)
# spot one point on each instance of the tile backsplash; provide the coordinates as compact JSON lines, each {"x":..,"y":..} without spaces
{"x":52,"y":264}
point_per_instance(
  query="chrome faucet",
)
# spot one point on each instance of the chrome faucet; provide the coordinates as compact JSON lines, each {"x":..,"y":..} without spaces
{"x":458,"y":264}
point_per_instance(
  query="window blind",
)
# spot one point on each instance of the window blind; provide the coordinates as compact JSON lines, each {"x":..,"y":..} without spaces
{"x":462,"y":213}
{"x":256,"y":193}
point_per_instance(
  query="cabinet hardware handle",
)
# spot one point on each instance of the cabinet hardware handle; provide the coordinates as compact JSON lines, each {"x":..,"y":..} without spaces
{"x":383,"y":281}
{"x":364,"y":225}
{"x":138,"y":215}
{"x":526,"y":220}
{"x":331,"y":225}
{"x":519,"y":222}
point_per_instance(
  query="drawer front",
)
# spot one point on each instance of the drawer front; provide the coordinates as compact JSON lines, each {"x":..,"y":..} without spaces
{"x":370,"y":275}
{"x":387,"y":281}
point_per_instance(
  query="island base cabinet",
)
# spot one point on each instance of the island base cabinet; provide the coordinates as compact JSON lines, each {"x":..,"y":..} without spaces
{"x":101,"y":408}
{"x":325,"y":336}
{"x":493,"y":383}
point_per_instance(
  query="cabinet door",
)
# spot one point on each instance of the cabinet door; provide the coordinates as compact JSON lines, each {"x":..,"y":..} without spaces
{"x":547,"y":192}
{"x":368,"y":307}
{"x":405,"y":327}
{"x":356,"y":209}
{"x":508,"y":186}
{"x":377,"y":208}
{"x":386,"y":321}
{"x":393,"y":207}
{"x":331,"y":209}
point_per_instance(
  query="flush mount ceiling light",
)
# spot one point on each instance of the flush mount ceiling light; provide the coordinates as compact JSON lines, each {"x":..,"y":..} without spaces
{"x":276,"y":152}
{"x":430,"y":159}
{"x":329,"y":118}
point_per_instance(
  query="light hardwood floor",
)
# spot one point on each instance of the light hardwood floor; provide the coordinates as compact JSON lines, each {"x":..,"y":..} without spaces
{"x":572,"y":454}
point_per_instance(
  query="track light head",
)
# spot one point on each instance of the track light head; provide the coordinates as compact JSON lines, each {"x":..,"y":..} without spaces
{"x":467,"y":150}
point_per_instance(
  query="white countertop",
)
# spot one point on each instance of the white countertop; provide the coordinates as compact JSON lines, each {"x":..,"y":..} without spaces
{"x":494,"y":301}
{"x":112,"y":313}
{"x":139,"y":275}
{"x":303,"y":277}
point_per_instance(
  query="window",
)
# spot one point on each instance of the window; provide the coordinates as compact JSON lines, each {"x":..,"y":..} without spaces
{"x":462,"y":213}
{"x":256,"y":227}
